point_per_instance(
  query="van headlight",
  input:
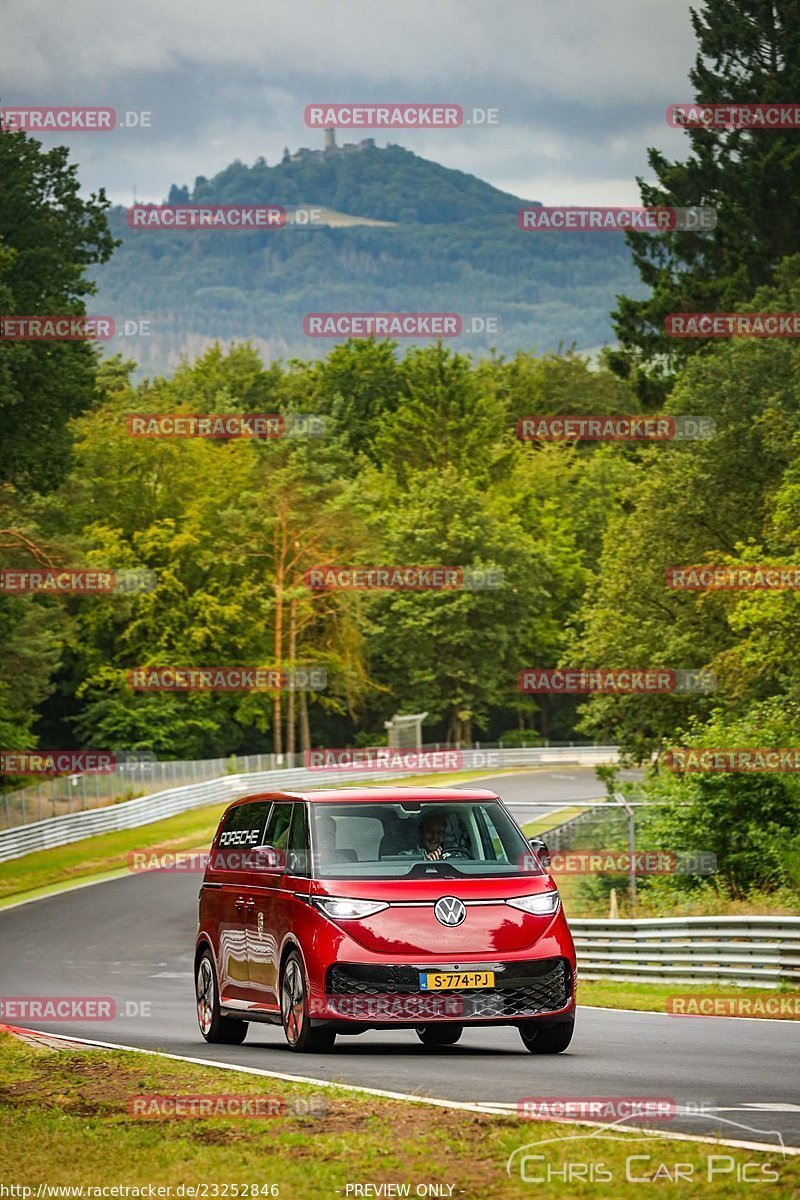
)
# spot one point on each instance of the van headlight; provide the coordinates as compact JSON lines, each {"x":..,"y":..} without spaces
{"x":542,"y":904}
{"x":348,"y":910}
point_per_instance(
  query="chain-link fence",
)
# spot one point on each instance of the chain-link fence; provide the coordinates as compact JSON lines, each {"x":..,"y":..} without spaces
{"x":62,"y":794}
{"x":65,"y":794}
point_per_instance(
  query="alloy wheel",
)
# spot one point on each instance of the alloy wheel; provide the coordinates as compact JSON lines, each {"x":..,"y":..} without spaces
{"x":205,"y":995}
{"x":293,"y":1001}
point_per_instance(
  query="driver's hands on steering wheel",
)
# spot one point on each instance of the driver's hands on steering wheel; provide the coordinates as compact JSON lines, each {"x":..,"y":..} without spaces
{"x":454,"y":852}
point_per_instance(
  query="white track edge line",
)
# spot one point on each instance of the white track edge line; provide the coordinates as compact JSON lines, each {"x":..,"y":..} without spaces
{"x":464,"y":1106}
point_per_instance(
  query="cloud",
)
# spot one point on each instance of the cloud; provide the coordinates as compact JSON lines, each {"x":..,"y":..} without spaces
{"x":581,"y":88}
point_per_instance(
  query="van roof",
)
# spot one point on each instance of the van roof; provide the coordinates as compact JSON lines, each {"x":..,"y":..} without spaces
{"x":365,"y":795}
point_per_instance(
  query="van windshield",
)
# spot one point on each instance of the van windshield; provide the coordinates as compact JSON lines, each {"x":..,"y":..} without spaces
{"x":417,"y":839}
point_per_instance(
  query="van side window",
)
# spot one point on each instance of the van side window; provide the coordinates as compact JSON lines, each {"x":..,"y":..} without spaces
{"x":243,"y":825}
{"x":277,"y":831}
{"x":298,"y":855}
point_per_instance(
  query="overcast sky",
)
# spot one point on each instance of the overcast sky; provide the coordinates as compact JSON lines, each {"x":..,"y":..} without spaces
{"x":581,"y":85}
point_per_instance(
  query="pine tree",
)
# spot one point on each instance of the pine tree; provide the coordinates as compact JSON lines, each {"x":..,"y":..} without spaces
{"x":749,"y":50}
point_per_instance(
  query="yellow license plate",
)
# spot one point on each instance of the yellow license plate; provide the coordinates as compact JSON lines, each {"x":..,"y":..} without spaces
{"x":445,"y":981}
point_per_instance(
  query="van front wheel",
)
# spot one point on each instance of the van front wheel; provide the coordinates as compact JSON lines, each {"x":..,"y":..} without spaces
{"x":294,"y":1012}
{"x":541,"y":1038}
{"x":439,"y":1035}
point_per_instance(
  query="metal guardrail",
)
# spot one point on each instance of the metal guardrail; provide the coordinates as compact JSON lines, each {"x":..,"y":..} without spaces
{"x":67,"y":794}
{"x":755,"y":951}
{"x":61,"y":795}
{"x":129,"y":814}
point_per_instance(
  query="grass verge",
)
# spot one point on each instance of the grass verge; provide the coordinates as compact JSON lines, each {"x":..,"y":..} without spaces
{"x":49,"y":869}
{"x":653,"y":997}
{"x":66,"y":1122}
{"x":558,"y":816}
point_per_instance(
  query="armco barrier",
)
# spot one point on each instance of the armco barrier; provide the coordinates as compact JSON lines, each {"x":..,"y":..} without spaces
{"x":58,"y":831}
{"x":756,"y":951}
{"x":63,"y":795}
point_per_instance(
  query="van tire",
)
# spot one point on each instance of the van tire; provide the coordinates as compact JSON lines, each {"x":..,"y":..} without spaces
{"x":298,"y":1030}
{"x":213,"y":1026}
{"x":439,"y":1035}
{"x":544,"y":1038}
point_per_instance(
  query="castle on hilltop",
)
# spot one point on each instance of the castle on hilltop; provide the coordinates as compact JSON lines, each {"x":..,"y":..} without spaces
{"x":330,"y":149}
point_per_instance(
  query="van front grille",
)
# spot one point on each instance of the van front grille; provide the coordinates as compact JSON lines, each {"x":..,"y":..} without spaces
{"x":522,"y":989}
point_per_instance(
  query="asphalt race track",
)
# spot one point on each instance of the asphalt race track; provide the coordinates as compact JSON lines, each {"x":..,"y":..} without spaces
{"x":132,"y":939}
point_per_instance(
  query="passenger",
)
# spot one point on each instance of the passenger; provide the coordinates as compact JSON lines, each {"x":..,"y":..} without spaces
{"x":325,"y":828}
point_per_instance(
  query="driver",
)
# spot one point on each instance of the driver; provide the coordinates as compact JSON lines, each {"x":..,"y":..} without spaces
{"x":431,"y":839}
{"x":431,"y":836}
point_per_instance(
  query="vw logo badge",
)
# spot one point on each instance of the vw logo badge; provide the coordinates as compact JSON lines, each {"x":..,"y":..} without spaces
{"x":449,"y":910}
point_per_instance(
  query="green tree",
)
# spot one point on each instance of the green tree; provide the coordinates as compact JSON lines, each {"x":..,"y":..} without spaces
{"x":49,"y":238}
{"x":710,"y":500}
{"x":448,"y":417}
{"x":228,"y":528}
{"x":749,"y":50}
{"x":359,"y":383}
{"x":456,"y":653}
{"x":748,"y":821}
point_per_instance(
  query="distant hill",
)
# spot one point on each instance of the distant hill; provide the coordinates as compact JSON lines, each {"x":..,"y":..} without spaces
{"x":389,"y":184}
{"x":454,"y":246}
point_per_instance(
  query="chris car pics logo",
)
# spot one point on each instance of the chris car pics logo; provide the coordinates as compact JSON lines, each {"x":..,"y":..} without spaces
{"x":581,"y":1158}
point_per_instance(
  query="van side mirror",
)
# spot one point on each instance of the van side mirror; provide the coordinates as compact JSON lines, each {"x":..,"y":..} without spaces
{"x":539,"y":847}
{"x":265,"y":858}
